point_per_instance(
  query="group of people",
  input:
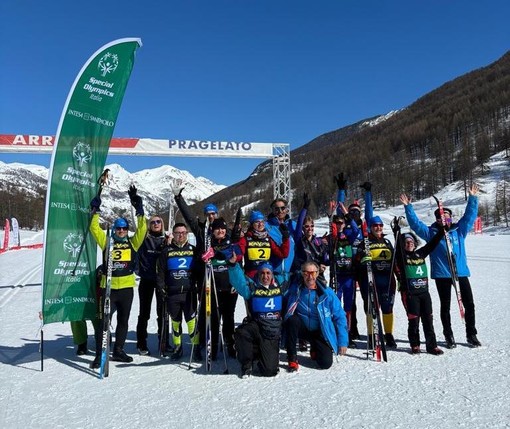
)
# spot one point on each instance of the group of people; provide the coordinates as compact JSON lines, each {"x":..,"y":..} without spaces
{"x":278,"y":265}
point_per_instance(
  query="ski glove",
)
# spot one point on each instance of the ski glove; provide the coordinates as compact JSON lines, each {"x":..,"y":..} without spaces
{"x":395,"y":227}
{"x":206,"y":256}
{"x":95,"y":204}
{"x":367,"y":186}
{"x":341,"y":182}
{"x":284,"y":230}
{"x":306,"y":201}
{"x":136,"y":200}
{"x":237,"y":230}
{"x":231,"y":251}
{"x":138,"y":205}
{"x":133,"y":192}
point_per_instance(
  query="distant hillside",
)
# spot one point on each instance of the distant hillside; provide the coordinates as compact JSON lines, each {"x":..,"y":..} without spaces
{"x":445,"y":136}
{"x":23,"y":190}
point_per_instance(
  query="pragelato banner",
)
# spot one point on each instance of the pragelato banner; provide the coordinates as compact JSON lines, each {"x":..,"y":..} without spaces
{"x":79,"y":154}
{"x":145,"y":146}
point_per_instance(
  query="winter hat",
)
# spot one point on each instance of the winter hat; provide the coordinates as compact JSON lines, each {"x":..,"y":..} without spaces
{"x":219,"y":224}
{"x":121,"y":222}
{"x":355,"y":206}
{"x":210,"y":208}
{"x":255,"y":216}
{"x":437,"y":214}
{"x":265,"y":266}
{"x":410,"y":236}
{"x":376,"y":220}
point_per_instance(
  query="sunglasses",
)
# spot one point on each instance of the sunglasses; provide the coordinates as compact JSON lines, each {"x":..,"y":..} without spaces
{"x":121,"y":228}
{"x":308,"y":226}
{"x":309,"y":273}
{"x":378,"y":225}
{"x":155,"y":222}
{"x":280,"y":208}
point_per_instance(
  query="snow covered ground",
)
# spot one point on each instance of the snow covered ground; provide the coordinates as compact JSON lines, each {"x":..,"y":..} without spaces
{"x":463,"y":388}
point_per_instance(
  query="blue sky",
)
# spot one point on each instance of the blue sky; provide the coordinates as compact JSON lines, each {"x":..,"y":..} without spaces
{"x":264,"y":71}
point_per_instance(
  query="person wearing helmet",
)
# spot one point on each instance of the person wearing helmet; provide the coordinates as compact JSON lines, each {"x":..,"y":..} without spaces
{"x":352,"y":229}
{"x":210,"y":212}
{"x":257,"y":247}
{"x":258,"y":337}
{"x":123,"y":277}
{"x":197,"y":226}
{"x":381,"y":259}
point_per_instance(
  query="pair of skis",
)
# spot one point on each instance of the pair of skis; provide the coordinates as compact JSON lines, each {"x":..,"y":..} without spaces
{"x":374,"y":310}
{"x":164,"y":330}
{"x":208,"y":299}
{"x":104,"y":369}
{"x":333,"y":238}
{"x":208,"y":289}
{"x":206,"y":302}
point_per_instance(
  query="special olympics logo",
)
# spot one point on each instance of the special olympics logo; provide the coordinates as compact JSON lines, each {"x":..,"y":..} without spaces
{"x":72,"y":243}
{"x":82,"y":153}
{"x":108,"y":63}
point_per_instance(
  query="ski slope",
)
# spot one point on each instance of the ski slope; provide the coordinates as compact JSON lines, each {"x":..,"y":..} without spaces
{"x":463,"y":388}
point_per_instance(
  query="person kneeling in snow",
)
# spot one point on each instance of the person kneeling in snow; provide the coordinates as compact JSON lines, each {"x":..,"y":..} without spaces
{"x":258,"y":338}
{"x":314,"y":313}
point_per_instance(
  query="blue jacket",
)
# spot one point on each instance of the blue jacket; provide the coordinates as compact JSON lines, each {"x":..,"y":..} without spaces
{"x":332,"y":318}
{"x":265,"y":305}
{"x":272,"y":224}
{"x":457,"y":233}
{"x":352,"y":230}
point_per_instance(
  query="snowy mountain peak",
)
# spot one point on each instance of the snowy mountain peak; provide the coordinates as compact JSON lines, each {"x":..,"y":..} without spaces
{"x":154,"y":185}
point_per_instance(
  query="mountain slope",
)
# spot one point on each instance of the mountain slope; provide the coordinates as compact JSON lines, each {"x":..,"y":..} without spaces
{"x":22,"y":184}
{"x":446,"y":136}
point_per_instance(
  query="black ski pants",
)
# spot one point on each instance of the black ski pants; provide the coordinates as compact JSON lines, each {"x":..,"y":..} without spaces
{"x":146,"y":290}
{"x":251,"y":346}
{"x":444,"y":289}
{"x":296,"y":329}
{"x":120,"y":301}
{"x":419,"y":306}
